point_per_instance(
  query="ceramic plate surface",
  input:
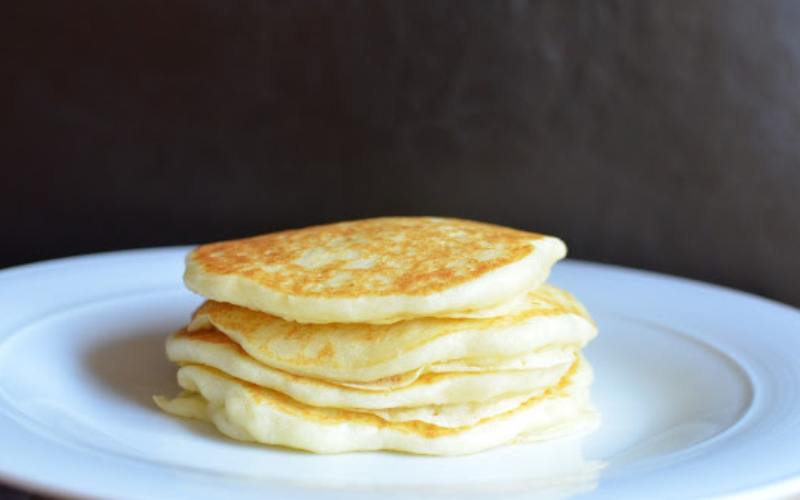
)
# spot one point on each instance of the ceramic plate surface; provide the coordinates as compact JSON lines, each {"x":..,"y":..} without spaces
{"x":699,"y":387}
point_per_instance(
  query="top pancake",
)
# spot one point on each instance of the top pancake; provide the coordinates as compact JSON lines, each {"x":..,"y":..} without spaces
{"x":379,"y":270}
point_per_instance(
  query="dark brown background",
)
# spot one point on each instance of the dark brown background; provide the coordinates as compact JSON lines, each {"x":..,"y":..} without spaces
{"x":660,"y":135}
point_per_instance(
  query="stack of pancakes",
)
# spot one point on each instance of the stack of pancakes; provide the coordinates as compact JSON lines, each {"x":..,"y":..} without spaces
{"x":418,"y":334}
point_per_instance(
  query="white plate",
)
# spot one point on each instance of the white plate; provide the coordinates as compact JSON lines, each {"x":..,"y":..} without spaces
{"x":698,"y":386}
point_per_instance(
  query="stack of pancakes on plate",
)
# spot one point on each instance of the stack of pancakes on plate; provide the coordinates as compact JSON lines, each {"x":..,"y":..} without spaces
{"x":418,"y":334}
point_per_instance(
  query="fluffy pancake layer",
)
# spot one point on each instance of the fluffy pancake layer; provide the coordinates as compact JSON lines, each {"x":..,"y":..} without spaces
{"x":250,"y":412}
{"x":354,"y":352}
{"x":213,"y":349}
{"x":375,"y":270}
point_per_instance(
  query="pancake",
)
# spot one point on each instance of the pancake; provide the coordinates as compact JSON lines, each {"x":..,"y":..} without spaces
{"x":213,"y":349}
{"x":415,"y":334}
{"x":352,"y":352}
{"x":379,"y":270}
{"x":249,"y":412}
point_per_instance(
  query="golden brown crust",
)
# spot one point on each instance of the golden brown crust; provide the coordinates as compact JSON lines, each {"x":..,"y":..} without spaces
{"x":413,"y":256}
{"x":206,"y":335}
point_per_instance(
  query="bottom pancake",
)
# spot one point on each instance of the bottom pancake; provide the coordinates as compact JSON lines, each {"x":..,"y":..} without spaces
{"x":249,"y":412}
